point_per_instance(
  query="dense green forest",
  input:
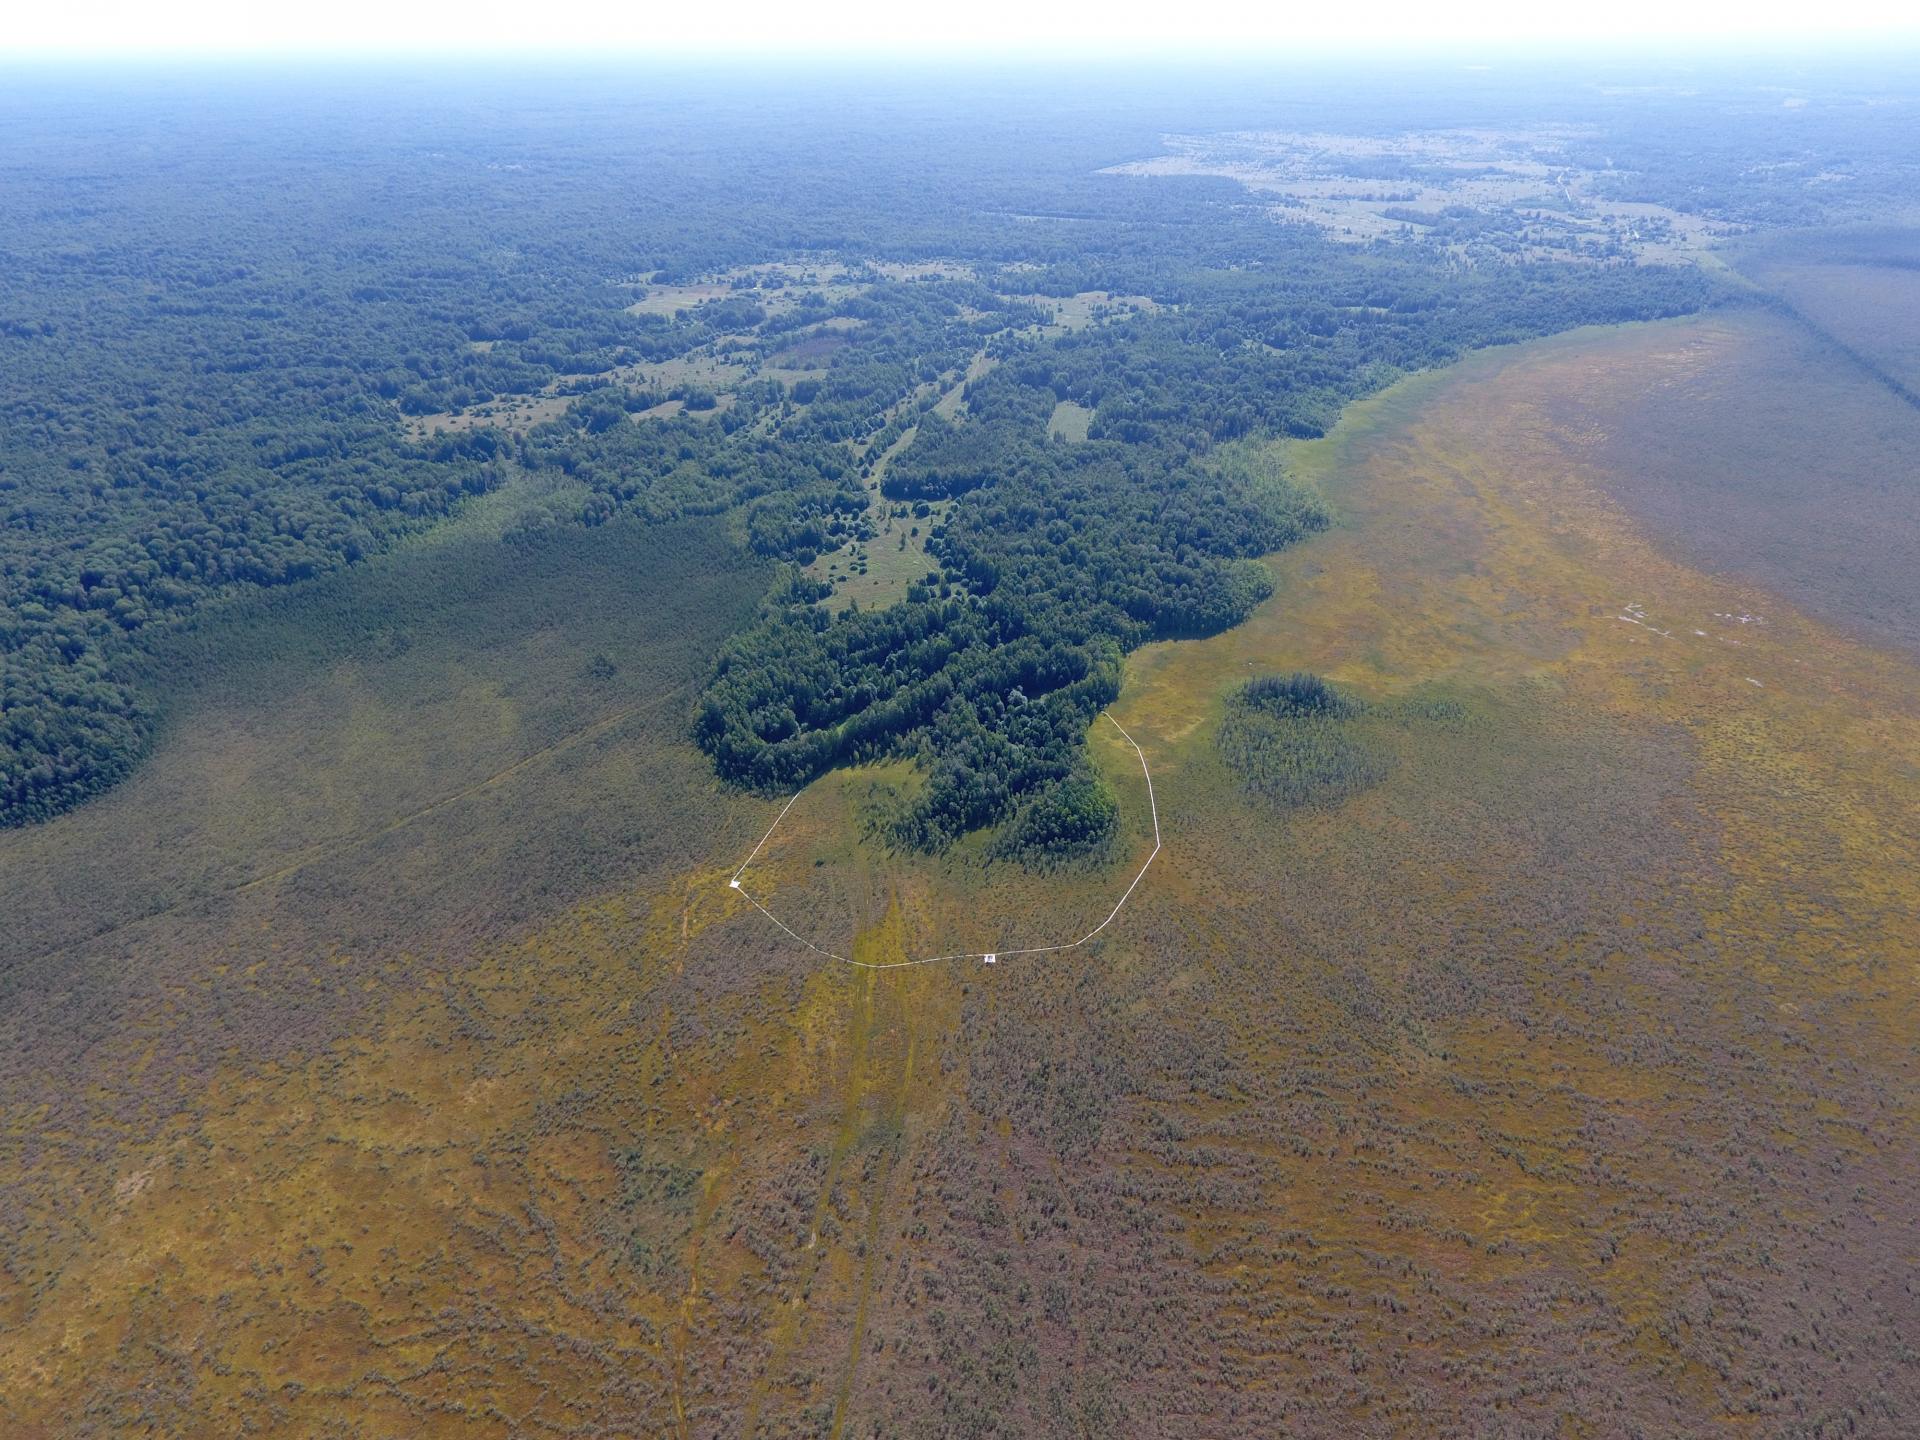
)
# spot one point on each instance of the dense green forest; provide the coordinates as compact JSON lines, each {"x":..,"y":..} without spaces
{"x":1058,"y":557}
{"x":223,"y":310}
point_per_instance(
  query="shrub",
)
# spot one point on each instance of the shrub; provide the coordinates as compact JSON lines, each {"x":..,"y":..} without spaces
{"x":1296,"y":740}
{"x":1297,"y":696}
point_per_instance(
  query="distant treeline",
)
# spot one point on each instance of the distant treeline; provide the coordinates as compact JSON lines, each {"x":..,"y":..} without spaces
{"x":208,"y":344}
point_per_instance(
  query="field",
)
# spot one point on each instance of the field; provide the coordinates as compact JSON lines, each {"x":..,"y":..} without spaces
{"x":369,"y":785}
{"x":513,"y":414}
{"x":1091,"y":307}
{"x":424,"y":1076}
{"x":877,"y":572}
{"x":1650,"y":940}
{"x":1526,"y":192}
{"x":1070,"y":421}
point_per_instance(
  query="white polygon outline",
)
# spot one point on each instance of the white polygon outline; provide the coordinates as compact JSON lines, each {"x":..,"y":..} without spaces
{"x":735,"y":884}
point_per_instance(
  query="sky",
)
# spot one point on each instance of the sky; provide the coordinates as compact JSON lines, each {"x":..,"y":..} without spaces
{"x":1055,"y":29}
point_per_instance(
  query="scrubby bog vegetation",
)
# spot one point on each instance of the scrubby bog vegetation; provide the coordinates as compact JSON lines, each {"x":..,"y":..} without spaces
{"x":1296,"y":740}
{"x":443,"y":522}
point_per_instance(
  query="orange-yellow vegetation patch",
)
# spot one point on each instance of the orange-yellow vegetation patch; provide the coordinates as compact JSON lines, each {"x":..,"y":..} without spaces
{"x":1478,"y":550}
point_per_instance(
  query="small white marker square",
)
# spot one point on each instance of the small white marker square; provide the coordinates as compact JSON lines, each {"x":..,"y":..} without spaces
{"x":734,"y":883}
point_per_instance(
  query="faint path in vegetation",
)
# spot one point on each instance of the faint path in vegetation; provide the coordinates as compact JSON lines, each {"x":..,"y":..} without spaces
{"x":876,"y":1206}
{"x":792,"y":1319}
{"x":346,"y":844}
{"x":367,"y":837}
{"x":1866,"y":364}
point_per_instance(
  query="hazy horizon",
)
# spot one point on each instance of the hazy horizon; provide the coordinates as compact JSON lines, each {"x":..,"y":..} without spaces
{"x":866,"y":30}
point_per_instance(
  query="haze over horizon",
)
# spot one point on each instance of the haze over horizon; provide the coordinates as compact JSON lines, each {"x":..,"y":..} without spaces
{"x":867,"y":28}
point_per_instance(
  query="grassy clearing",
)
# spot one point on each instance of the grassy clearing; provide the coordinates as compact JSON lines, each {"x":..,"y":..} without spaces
{"x":877,"y":572}
{"x":515,"y":414}
{"x":1090,"y":307}
{"x":950,"y":404}
{"x":707,"y":371}
{"x":677,"y":299}
{"x":1070,"y":421}
{"x":810,"y":352}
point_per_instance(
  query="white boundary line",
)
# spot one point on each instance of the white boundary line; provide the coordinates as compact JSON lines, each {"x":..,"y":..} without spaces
{"x":1152,"y":806}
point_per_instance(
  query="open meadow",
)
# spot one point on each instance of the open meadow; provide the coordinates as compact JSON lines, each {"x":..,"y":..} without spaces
{"x":1557,"y":1081}
{"x":554,"y":615}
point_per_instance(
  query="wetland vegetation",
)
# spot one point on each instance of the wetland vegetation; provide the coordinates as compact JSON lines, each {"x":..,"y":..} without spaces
{"x":445,"y":521}
{"x":1296,"y":740}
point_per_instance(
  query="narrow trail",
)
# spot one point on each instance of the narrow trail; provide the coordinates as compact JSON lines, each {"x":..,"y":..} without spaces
{"x":789,"y":1331}
{"x":876,"y":1208}
{"x":1153,"y":807}
{"x":346,"y":844}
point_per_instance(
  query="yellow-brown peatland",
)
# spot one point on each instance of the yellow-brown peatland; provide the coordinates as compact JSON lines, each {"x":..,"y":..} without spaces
{"x":1562,"y":1083}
